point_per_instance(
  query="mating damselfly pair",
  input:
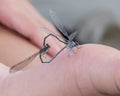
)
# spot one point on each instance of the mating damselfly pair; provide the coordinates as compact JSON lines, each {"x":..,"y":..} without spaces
{"x":69,"y":41}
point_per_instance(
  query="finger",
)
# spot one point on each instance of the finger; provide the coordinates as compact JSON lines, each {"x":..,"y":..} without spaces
{"x":91,"y":75}
{"x":46,"y":24}
{"x":23,"y":22}
{"x":37,"y":16}
{"x":98,"y":70}
{"x":45,"y":80}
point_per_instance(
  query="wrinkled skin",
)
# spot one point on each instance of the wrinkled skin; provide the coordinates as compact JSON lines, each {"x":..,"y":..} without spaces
{"x":92,"y":71}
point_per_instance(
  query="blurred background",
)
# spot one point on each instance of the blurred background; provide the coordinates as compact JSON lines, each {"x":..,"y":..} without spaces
{"x":97,"y":21}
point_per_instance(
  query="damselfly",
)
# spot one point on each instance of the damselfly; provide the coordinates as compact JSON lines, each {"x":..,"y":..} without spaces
{"x":70,"y":43}
{"x":28,"y":60}
{"x":69,"y":39}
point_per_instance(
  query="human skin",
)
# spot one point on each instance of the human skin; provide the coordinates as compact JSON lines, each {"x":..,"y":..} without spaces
{"x":15,"y":48}
{"x":92,"y":71}
{"x":89,"y":72}
{"x":23,"y":18}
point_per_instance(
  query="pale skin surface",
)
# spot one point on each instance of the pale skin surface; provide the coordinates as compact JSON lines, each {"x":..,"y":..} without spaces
{"x":93,"y":71}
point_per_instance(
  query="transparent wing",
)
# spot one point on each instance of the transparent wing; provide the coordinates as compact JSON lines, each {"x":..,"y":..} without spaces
{"x":23,"y":63}
{"x":72,"y":35}
{"x":57,"y":23}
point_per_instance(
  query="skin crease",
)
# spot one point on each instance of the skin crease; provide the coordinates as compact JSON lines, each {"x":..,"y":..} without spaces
{"x":92,"y":71}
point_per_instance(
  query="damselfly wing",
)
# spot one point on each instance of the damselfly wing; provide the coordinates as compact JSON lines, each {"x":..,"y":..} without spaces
{"x":69,"y":38}
{"x":58,"y":24}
